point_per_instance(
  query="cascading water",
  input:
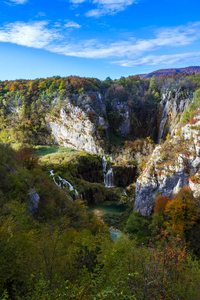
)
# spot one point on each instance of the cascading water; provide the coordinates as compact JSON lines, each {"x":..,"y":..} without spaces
{"x":108,"y":176}
{"x":63,"y":183}
{"x":163,"y":121}
{"x":104,"y":164}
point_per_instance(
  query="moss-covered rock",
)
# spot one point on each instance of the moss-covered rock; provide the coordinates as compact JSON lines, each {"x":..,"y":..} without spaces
{"x":124,"y":175}
{"x":96,"y":193}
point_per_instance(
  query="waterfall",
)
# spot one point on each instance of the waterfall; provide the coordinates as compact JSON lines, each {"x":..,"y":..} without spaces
{"x":108,"y":176}
{"x":63,"y":183}
{"x":68,"y":185}
{"x":100,"y":98}
{"x":104,"y":164}
{"x":163,"y":121}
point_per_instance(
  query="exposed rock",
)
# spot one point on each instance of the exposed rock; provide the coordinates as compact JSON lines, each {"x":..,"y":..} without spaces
{"x":122,"y":109}
{"x":101,"y":122}
{"x":125,"y":127}
{"x":171,"y":166}
{"x":96,"y":193}
{"x":173,"y":104}
{"x":74,"y":129}
{"x":33,"y":200}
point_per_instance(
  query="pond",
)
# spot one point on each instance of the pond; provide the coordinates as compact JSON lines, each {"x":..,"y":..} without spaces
{"x":45,"y":150}
{"x":107,"y":207}
{"x":115,"y":233}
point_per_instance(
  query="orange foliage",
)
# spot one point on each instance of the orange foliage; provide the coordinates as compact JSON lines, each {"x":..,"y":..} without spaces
{"x":182,"y":211}
{"x":26,"y":158}
{"x":90,"y":116}
{"x":160,"y":204}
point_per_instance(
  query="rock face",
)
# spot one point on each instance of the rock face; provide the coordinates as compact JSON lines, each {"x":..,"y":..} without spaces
{"x":33,"y":202}
{"x":122,"y":109}
{"x":173,"y":165}
{"x":83,"y":118}
{"x":173,"y":104}
{"x":74,"y":129}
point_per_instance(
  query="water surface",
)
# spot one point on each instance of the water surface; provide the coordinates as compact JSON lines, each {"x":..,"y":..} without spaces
{"x":45,"y":150}
{"x":108,"y":207}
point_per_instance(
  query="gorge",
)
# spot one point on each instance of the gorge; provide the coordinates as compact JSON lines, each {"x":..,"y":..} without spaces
{"x":86,"y":162}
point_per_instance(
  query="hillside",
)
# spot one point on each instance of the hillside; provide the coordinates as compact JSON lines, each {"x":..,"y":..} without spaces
{"x":170,"y":72}
{"x":100,"y":188}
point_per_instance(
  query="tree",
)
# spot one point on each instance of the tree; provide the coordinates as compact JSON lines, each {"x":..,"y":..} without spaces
{"x":160,"y":204}
{"x":153,"y":86}
{"x":138,"y":226}
{"x":182,"y":211}
{"x":159,"y":217}
{"x":26,"y":158}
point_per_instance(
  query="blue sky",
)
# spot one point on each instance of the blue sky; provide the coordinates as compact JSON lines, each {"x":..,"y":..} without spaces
{"x":96,"y":38}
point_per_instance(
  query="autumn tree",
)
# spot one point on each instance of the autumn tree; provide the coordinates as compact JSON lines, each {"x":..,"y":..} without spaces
{"x":26,"y":158}
{"x":182,"y":211}
{"x":159,"y":217}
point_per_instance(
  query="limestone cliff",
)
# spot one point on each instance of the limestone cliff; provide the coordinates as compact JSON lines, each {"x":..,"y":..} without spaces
{"x":74,"y":129}
{"x":173,"y":104}
{"x":171,"y":166}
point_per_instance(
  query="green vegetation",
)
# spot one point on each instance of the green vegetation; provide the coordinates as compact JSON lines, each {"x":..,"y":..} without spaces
{"x":62,"y":251}
{"x":25,"y":105}
{"x":55,"y":243}
{"x":189,"y":114}
{"x":45,"y":150}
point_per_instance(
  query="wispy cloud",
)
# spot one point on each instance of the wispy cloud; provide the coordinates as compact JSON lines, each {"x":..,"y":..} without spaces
{"x":34,"y":34}
{"x":57,"y":39}
{"x":153,"y":60}
{"x":77,"y":1}
{"x":166,"y":37}
{"x":19,"y":1}
{"x":105,"y":7}
{"x":109,"y":7}
{"x":72,"y":24}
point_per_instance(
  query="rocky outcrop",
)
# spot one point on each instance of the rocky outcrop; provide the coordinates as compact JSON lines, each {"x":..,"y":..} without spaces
{"x":173,"y":165}
{"x":33,"y":201}
{"x":125,"y":127}
{"x":173,"y":104}
{"x":96,"y":193}
{"x":122,"y":109}
{"x":74,"y":129}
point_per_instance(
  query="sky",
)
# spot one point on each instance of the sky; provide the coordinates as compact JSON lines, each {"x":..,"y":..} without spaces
{"x":97,"y":38}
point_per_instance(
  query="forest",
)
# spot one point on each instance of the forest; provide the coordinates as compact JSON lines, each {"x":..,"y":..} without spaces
{"x":52,"y":246}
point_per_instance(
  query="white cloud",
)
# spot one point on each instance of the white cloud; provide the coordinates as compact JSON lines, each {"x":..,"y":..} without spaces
{"x":39,"y":35}
{"x":72,"y":24}
{"x":167,"y":37}
{"x":19,"y":1}
{"x":152,"y":60}
{"x":109,"y":7}
{"x":77,"y":1}
{"x":33,"y":34}
{"x":105,"y":7}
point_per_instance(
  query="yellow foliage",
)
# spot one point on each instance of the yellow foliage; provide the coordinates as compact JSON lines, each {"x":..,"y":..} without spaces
{"x":182,"y":211}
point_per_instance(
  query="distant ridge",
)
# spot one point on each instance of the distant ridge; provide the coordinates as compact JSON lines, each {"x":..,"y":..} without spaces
{"x":168,"y":72}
